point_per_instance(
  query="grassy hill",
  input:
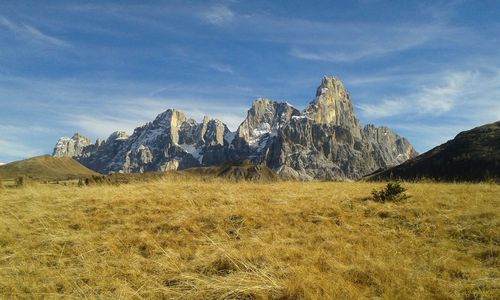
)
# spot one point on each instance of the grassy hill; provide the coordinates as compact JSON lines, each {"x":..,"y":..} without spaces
{"x":45,"y":167}
{"x":210,"y":238}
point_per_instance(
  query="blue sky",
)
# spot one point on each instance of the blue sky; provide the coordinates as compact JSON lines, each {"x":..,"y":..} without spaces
{"x":427,"y":69}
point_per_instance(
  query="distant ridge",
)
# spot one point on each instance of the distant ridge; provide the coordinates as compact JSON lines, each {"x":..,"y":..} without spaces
{"x":473,"y":155}
{"x":46,"y":167}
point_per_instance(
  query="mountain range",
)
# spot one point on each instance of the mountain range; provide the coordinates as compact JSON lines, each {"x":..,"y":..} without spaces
{"x":323,"y":141}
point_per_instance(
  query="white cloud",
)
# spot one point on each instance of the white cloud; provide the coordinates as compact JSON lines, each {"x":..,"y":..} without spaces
{"x":428,"y":100}
{"x":31,"y":33}
{"x":218,"y":14}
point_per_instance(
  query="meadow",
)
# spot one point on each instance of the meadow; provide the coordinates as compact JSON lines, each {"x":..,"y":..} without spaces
{"x":182,"y":237}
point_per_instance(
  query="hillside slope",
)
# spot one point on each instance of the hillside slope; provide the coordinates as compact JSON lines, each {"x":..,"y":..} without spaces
{"x":45,"y":167}
{"x":473,"y":155}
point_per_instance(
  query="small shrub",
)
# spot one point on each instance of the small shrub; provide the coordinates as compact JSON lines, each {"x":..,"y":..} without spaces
{"x":392,"y":192}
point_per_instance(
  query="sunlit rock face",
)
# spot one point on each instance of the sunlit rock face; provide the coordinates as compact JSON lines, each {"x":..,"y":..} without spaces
{"x":69,"y":147}
{"x":333,"y":105}
{"x":324,"y":141}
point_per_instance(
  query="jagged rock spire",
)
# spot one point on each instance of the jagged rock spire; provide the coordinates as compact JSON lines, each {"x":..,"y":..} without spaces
{"x":333,"y":105}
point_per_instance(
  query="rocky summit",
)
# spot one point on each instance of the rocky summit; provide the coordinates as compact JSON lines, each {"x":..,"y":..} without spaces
{"x":71,"y":147}
{"x":324,"y":141}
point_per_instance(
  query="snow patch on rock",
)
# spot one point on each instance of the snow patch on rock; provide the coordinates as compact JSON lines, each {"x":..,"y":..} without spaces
{"x":193,"y":150}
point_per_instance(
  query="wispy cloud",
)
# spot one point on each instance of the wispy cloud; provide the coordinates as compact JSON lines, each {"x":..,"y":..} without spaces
{"x":11,"y":150}
{"x":351,"y":42}
{"x":435,"y":112}
{"x":104,"y":106}
{"x":218,"y":14}
{"x":16,"y":140}
{"x":136,"y":112}
{"x":223,"y":68}
{"x":100,"y":125}
{"x":447,"y":94}
{"x":31,"y":33}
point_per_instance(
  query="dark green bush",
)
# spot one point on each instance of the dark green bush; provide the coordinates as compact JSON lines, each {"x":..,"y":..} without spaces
{"x":392,"y":192}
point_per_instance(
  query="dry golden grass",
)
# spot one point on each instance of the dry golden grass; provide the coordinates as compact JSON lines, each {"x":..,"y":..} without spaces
{"x":210,"y":239}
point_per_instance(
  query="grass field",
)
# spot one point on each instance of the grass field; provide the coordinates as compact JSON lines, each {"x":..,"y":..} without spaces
{"x":209,"y":239}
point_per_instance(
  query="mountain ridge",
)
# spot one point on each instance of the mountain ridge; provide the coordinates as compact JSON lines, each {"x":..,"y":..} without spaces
{"x":473,"y":155}
{"x":324,"y":141}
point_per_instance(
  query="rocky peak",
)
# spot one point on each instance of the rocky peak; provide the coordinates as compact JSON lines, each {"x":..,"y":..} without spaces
{"x":332,"y":85}
{"x":208,"y":132}
{"x":265,"y":116}
{"x":400,"y":148}
{"x":333,"y":105}
{"x":171,"y":120}
{"x":77,"y":137}
{"x":69,"y":147}
{"x":216,"y":130}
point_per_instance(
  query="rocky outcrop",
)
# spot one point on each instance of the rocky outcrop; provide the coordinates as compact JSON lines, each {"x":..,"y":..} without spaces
{"x":324,"y":141}
{"x":70,"y":147}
